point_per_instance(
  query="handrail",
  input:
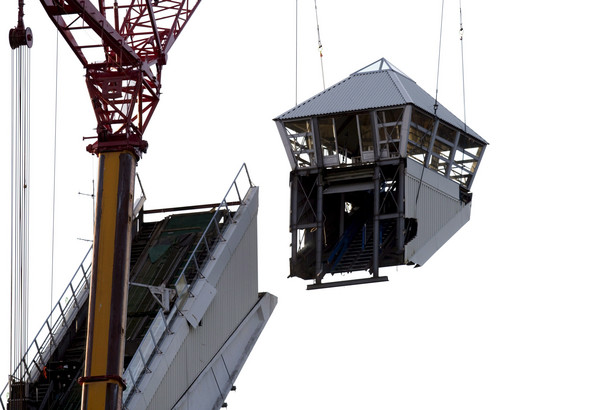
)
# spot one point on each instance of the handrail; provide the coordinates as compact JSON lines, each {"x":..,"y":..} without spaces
{"x":43,"y":344}
{"x":161,"y":325}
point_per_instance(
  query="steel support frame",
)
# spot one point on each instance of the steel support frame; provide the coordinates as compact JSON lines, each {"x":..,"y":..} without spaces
{"x":377,"y":180}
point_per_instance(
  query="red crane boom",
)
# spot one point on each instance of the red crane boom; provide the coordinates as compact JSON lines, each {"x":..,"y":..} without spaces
{"x":123,"y":58}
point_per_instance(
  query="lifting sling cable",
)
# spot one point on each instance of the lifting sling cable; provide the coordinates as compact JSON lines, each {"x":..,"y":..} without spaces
{"x":435,"y":105}
{"x":461,"y":32}
{"x":435,"y":108}
{"x":53,"y":199}
{"x":296,"y":48}
{"x":463,"y":77}
{"x":463,"y":86}
{"x":322,"y":70}
{"x":319,"y":46}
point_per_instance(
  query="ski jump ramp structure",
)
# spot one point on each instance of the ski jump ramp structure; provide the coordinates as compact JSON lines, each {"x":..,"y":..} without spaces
{"x":194,"y":311}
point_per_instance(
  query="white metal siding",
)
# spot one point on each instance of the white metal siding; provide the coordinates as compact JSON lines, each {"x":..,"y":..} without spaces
{"x":433,"y":210}
{"x":237,"y":294}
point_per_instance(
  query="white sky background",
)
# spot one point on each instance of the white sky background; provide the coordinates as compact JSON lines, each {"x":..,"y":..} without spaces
{"x":515,"y":311}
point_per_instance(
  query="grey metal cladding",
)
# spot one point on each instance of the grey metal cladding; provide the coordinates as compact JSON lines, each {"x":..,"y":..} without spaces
{"x":371,"y":90}
{"x":423,"y":100}
{"x":358,"y":92}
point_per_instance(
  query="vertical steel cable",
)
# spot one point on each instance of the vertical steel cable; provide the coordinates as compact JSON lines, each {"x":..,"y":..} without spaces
{"x":20,"y":206}
{"x":26,"y":191}
{"x":463,"y":76}
{"x":296,"y":48}
{"x":12,"y":331}
{"x":435,"y":105}
{"x":463,"y":85}
{"x":53,"y":206}
{"x":322,"y":69}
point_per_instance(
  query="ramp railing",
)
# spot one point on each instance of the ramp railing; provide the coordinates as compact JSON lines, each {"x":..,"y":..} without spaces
{"x":77,"y":293}
{"x":202,"y":253}
{"x":55,"y":326}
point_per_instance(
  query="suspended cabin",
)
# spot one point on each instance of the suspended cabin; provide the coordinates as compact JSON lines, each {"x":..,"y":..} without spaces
{"x":377,"y":178}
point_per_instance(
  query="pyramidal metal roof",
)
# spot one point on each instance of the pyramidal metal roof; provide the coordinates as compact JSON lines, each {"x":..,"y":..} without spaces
{"x":377,"y":85}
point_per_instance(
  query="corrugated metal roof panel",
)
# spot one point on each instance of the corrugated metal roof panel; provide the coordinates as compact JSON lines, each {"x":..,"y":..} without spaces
{"x":423,"y":100}
{"x":361,"y":91}
{"x":370,"y":89}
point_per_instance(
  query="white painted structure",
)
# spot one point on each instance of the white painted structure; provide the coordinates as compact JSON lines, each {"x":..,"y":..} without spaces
{"x":189,"y":356}
{"x":209,"y":338}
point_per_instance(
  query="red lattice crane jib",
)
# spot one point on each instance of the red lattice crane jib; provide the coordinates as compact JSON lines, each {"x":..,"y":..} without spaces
{"x":123,"y":46}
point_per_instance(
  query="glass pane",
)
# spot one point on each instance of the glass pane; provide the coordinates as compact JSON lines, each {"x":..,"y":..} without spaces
{"x":466,"y":159}
{"x":460,"y":174}
{"x":441,"y":148}
{"x":470,"y":145}
{"x":421,"y":125}
{"x":366,"y":135}
{"x":417,"y":153}
{"x":297,"y":127}
{"x":447,"y":133}
{"x":327,"y":136}
{"x":389,"y":131}
{"x":438,"y":164}
{"x":421,"y":119}
{"x":347,"y":138}
{"x":301,"y":142}
{"x":375,"y":66}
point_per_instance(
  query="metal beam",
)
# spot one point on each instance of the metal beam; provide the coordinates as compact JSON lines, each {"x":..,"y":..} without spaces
{"x":347,"y":282}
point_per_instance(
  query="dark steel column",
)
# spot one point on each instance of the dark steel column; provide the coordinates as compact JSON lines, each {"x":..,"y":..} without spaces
{"x":401,"y":203}
{"x":376,"y":233}
{"x":294,"y":187}
{"x":319,"y":229}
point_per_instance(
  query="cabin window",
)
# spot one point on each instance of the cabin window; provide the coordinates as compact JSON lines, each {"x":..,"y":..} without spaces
{"x":301,"y":138}
{"x":366,"y":137}
{"x":421,"y":125}
{"x":389,"y":131}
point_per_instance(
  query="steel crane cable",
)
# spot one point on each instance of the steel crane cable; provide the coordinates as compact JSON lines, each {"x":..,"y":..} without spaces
{"x":322,"y":70}
{"x":20,"y":197}
{"x":435,"y":105}
{"x":296,"y":48}
{"x":53,"y":200}
{"x":319,"y":46}
{"x":435,"y":108}
{"x":463,"y":85}
{"x":463,"y":77}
